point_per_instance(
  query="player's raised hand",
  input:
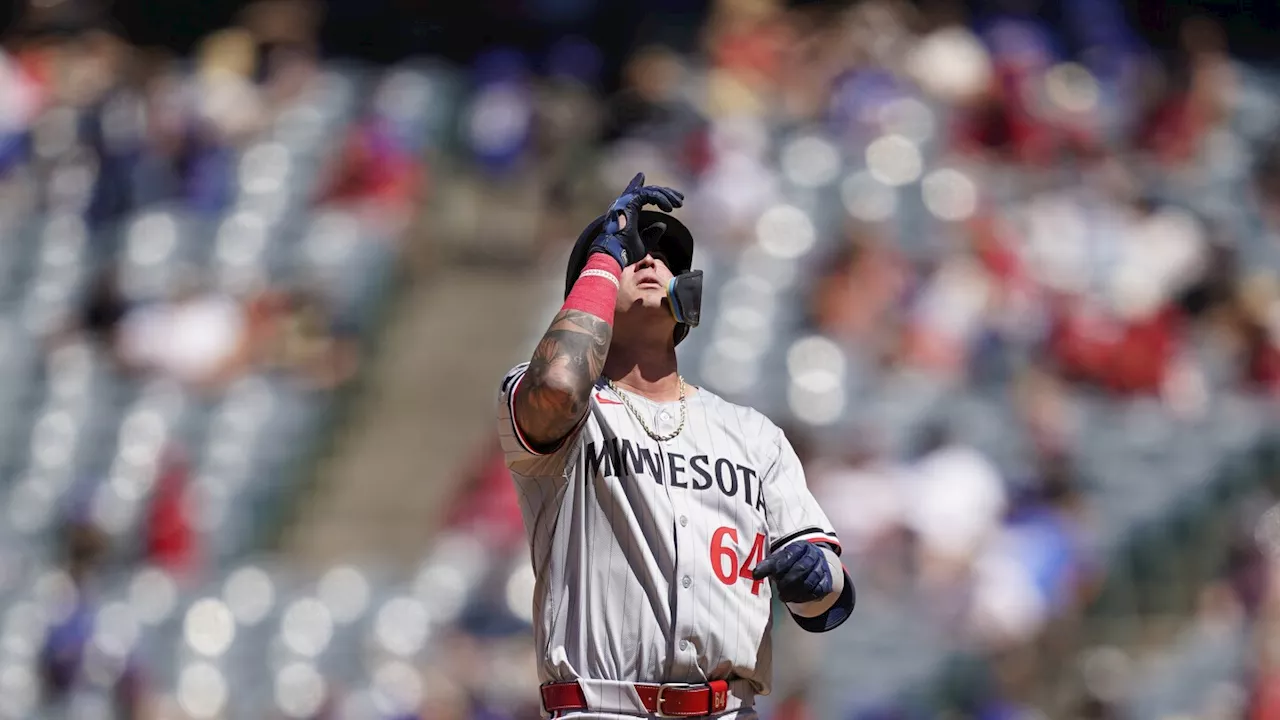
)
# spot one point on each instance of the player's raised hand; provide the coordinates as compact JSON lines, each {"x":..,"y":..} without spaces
{"x":619,"y":237}
{"x":622,"y":213}
{"x":800,"y":571}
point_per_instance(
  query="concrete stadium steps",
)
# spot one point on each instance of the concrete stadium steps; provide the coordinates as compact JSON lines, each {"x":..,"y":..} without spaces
{"x":427,"y":408}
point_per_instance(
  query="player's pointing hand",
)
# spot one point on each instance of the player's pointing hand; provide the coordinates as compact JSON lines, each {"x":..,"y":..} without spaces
{"x":800,"y":570}
{"x":637,"y":195}
{"x":619,"y":237}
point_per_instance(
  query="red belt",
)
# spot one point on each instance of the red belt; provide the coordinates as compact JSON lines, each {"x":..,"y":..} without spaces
{"x":672,"y":701}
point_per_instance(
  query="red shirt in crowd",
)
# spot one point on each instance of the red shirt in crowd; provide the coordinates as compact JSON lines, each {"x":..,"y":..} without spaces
{"x":1128,"y":357}
{"x":170,"y":537}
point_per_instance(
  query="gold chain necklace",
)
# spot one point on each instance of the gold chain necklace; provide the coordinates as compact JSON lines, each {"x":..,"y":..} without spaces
{"x":640,"y":418}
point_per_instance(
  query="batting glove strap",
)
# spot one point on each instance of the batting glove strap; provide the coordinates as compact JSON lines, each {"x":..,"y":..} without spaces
{"x":835,"y":616}
{"x":619,"y":247}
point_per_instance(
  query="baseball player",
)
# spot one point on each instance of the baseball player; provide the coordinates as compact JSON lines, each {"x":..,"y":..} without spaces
{"x":662,"y":519}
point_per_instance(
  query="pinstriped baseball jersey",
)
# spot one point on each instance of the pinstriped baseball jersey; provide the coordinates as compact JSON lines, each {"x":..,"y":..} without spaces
{"x":642,"y":549}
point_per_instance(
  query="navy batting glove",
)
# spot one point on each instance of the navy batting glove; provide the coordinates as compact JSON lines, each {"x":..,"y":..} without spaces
{"x":620,"y":237}
{"x":800,"y":570}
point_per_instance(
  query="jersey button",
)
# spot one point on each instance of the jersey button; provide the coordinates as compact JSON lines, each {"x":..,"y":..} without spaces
{"x":686,"y":582}
{"x":683,"y":521}
{"x":684,"y":644}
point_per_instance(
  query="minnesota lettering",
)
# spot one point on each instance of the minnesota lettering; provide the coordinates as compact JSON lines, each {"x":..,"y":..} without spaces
{"x":621,"y":458}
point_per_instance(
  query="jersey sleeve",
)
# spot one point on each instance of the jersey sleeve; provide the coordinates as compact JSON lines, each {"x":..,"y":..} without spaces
{"x":790,"y":509}
{"x":516,"y":449}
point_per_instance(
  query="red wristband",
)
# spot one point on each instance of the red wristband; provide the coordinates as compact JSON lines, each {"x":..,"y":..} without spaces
{"x":596,"y":289}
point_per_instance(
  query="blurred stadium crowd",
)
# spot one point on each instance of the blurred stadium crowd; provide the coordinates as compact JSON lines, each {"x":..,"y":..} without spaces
{"x":195,"y":252}
{"x":1010,"y":285}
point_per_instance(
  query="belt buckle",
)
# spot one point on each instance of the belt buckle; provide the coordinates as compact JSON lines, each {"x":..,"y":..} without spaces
{"x":657,"y":702}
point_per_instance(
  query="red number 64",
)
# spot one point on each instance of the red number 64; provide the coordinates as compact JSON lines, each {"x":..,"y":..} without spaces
{"x":724,"y":558}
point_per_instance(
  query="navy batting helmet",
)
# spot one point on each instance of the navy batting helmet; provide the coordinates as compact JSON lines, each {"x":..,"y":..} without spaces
{"x":676,"y":246}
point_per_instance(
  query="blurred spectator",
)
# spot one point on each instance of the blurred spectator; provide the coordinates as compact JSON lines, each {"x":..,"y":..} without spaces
{"x":488,"y":506}
{"x":1045,"y":541}
{"x":744,"y":42}
{"x":1198,"y":97}
{"x":300,"y":334}
{"x":170,"y":541}
{"x":948,"y":316}
{"x":1125,"y":358}
{"x":375,"y":176}
{"x":111,"y":124}
{"x":100,"y":315}
{"x":226,"y":99}
{"x":499,"y":123}
{"x":286,"y":47}
{"x":193,"y":337}
{"x":956,"y":501}
{"x":864,"y":493}
{"x":1115,"y":273}
{"x":291,"y":24}
{"x":736,"y":181}
{"x":861,"y":101}
{"x":159,"y":172}
{"x":203,"y":120}
{"x":22,"y":99}
{"x":569,"y":121}
{"x":820,"y":45}
{"x":1042,"y":406}
{"x":1009,"y":122}
{"x":67,"y":656}
{"x":858,"y":291}
{"x":649,"y":105}
{"x":1257,"y":304}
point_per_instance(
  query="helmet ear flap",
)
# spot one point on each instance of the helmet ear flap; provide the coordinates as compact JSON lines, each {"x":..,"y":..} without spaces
{"x":684,"y":296}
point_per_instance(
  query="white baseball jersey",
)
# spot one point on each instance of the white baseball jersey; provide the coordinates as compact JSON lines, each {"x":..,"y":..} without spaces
{"x":643,"y":550}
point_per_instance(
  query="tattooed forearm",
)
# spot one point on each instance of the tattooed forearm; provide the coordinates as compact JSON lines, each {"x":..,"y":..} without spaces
{"x":557,"y":386}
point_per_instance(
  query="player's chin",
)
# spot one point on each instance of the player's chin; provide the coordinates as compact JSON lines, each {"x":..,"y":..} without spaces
{"x":655,"y":309}
{"x":658,"y":305}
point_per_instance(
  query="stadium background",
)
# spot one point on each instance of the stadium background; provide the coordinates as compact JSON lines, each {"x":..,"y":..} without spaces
{"x":1006,"y":272}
